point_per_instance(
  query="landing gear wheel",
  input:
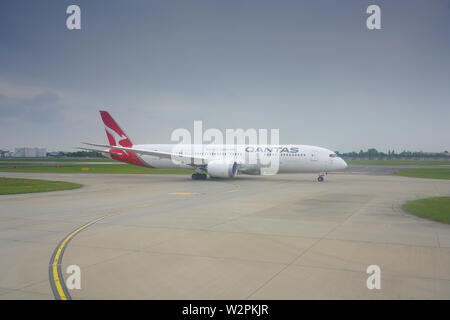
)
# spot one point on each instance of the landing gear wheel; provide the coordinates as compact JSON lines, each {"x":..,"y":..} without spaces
{"x":198,"y":176}
{"x":320,"y":179}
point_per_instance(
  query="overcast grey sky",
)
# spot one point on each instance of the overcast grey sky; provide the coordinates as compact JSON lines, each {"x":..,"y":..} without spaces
{"x":310,"y":68}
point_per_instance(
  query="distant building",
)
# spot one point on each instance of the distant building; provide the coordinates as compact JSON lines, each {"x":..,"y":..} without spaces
{"x":30,"y":153}
{"x":4,"y":153}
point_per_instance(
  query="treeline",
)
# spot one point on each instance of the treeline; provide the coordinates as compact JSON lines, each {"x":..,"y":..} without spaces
{"x":391,"y":154}
{"x":76,"y":154}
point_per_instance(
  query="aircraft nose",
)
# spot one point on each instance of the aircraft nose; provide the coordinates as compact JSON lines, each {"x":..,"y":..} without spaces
{"x":344,"y":164}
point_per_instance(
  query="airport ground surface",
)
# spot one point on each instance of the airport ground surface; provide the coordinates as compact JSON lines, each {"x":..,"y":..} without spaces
{"x":278,"y":237}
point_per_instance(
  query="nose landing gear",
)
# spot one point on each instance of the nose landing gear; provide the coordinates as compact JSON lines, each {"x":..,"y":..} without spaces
{"x":321,"y":175}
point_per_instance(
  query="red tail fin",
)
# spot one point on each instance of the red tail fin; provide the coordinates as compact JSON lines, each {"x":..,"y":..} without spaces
{"x":115,"y":134}
{"x":117,"y":137}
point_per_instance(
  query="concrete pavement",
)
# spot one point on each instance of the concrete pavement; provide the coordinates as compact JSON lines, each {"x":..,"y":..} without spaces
{"x":277,"y":237}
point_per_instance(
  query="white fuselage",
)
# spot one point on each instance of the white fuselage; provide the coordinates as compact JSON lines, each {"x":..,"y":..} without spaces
{"x":287,"y":158}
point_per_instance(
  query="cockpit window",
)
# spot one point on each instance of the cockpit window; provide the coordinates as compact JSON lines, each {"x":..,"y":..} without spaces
{"x":332,"y":155}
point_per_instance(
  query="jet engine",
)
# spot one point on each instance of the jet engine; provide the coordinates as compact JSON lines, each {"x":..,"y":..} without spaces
{"x":222,"y":169}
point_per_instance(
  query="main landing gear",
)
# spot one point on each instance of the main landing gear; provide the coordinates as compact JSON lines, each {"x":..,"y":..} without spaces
{"x":320,"y":178}
{"x":198,"y":176}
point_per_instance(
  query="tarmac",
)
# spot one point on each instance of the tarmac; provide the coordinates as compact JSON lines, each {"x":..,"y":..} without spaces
{"x":253,"y":237}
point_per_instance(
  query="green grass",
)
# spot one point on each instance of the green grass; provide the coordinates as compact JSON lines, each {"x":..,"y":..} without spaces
{"x":437,"y":208}
{"x":12,"y":160}
{"x":429,"y":173}
{"x":14,"y":186}
{"x":398,"y":162}
{"x":95,"y":168}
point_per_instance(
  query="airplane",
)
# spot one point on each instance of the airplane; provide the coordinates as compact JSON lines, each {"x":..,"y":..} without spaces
{"x":218,"y":161}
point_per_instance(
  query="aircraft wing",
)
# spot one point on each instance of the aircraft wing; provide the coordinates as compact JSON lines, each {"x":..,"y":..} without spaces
{"x":186,"y":159}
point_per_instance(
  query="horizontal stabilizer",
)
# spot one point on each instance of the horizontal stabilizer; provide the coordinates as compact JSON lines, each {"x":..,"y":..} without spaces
{"x":101,"y":151}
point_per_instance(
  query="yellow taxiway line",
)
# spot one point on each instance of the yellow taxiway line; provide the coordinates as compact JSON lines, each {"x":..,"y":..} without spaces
{"x":56,"y":258}
{"x":57,"y":283}
{"x":184,"y":193}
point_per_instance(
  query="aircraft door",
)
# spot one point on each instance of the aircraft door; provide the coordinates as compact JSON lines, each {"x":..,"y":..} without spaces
{"x":314,"y":155}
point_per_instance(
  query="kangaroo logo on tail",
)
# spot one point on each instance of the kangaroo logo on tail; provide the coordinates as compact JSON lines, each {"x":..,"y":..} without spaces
{"x":117,"y":137}
{"x":115,"y":134}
